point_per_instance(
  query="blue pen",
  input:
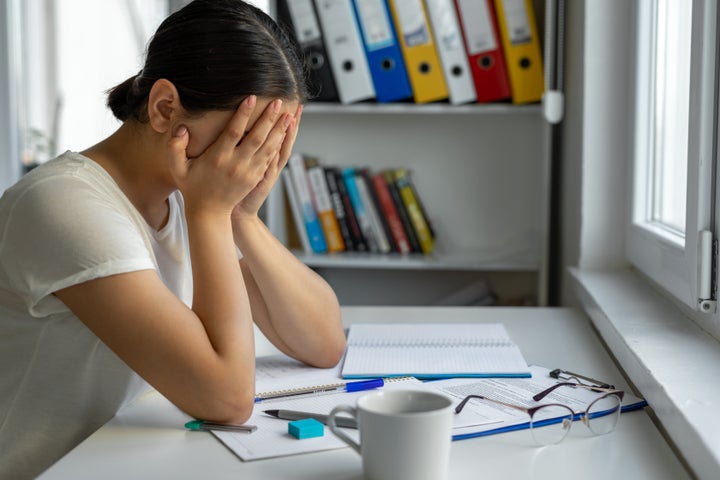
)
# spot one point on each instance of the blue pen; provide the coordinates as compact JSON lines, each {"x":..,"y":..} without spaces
{"x":336,"y":387}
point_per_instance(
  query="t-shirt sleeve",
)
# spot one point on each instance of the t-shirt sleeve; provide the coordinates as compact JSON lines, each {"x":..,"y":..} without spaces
{"x":62,"y":233}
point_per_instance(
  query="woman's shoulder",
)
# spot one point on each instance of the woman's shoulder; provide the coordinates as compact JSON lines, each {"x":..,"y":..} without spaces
{"x":67,"y":166}
{"x":65,"y":176}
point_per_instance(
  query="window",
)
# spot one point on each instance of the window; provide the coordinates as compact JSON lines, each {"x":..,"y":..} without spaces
{"x":73,"y":51}
{"x":675,"y":148}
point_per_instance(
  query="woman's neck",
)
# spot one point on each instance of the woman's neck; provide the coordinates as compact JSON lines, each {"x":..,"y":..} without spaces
{"x":133,"y":156}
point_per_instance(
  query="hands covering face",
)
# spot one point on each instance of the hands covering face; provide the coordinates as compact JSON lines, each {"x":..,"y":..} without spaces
{"x":237,"y":170}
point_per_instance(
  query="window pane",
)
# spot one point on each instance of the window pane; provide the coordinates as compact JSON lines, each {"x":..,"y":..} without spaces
{"x":672,"y":94}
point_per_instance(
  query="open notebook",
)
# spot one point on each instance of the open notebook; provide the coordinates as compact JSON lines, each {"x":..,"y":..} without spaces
{"x":437,"y":350}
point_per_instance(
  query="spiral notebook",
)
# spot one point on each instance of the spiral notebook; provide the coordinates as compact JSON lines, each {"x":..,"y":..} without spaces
{"x":431,"y":351}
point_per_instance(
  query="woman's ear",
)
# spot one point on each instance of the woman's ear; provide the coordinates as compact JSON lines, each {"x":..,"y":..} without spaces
{"x":163,"y":105}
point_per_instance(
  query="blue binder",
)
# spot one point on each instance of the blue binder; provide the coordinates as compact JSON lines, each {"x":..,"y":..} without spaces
{"x":385,"y":59}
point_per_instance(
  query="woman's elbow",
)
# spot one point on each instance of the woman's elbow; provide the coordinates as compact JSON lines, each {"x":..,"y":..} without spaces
{"x":332,"y":353}
{"x":227,"y":407}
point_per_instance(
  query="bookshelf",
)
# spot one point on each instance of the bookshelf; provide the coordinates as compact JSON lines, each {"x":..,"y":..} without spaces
{"x":482,"y":172}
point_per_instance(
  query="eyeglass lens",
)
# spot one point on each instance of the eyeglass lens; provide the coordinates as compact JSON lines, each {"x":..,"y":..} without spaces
{"x":550,"y":423}
{"x":603,"y":413}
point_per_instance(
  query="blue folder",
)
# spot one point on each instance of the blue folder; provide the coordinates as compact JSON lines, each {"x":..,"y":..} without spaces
{"x":385,"y":59}
{"x":524,"y":426}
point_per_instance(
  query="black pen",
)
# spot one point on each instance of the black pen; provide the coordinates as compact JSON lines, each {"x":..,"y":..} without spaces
{"x":295,"y":415}
{"x":208,"y":426}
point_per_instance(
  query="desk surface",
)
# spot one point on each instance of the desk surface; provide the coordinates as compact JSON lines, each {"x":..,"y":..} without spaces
{"x":147,"y":439}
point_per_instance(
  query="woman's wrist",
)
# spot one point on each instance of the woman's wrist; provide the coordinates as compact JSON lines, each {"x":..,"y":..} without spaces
{"x":245,"y":227}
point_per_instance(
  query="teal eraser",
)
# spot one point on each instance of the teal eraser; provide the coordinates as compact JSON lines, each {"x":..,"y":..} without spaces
{"x":306,"y":428}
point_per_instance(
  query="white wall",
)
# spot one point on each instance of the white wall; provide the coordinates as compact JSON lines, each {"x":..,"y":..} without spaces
{"x":596,"y":139}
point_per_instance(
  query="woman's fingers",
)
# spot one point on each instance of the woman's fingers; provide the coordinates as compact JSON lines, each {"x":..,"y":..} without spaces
{"x":290,"y":137}
{"x":235,"y":129}
{"x":178,"y":155}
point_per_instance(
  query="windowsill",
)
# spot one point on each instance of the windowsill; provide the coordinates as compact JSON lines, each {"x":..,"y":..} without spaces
{"x":671,"y":361}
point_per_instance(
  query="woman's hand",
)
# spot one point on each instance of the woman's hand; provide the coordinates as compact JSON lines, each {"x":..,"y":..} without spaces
{"x":252,"y":202}
{"x":235,"y":163}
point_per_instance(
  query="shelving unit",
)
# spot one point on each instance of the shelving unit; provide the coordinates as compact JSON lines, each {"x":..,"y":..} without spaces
{"x":481,"y":171}
{"x":483,"y":174}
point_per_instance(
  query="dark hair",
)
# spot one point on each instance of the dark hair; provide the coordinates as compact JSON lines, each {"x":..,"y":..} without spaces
{"x":216,"y":53}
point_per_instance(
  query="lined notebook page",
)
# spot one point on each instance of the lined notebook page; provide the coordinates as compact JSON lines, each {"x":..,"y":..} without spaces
{"x":437,"y":350}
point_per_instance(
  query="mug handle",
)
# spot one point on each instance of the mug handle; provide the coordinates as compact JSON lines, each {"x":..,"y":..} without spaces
{"x":337,"y":431}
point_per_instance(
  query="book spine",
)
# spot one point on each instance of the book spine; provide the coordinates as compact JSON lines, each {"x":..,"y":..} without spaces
{"x":418,"y":198}
{"x":359,"y":208}
{"x":359,"y":243}
{"x":402,"y":212}
{"x":315,"y":234}
{"x":419,"y":221}
{"x":365,"y":191}
{"x":397,"y":230}
{"x":296,"y":211}
{"x":323,"y":205}
{"x":339,"y":208}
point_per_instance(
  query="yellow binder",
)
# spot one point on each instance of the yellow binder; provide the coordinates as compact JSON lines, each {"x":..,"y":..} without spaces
{"x":421,"y":57}
{"x":521,"y":44}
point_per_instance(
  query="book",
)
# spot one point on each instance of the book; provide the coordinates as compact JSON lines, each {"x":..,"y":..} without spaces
{"x":390,"y":212}
{"x":315,"y":234}
{"x":371,"y":208}
{"x":358,"y":206}
{"x":435,"y":350}
{"x":359,"y":243}
{"x":338,"y":205}
{"x":417,"y":215}
{"x":296,"y":209}
{"x":323,"y":205}
{"x":402,"y":211}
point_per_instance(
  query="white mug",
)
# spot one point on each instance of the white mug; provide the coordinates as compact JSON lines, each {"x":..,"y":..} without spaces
{"x":404,"y":434}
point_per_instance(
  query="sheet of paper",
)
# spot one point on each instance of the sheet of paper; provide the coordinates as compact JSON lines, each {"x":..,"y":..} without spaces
{"x":271,"y":439}
{"x":516,"y":391}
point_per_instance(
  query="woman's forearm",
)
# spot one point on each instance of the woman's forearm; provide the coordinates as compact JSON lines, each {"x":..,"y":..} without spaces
{"x":219,"y":298}
{"x":297,"y":310}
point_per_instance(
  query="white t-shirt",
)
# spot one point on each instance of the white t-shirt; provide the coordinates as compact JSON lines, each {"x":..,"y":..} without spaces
{"x":64,"y":223}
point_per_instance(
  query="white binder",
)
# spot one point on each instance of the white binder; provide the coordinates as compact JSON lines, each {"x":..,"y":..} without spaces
{"x":449,"y":42}
{"x":345,"y":49}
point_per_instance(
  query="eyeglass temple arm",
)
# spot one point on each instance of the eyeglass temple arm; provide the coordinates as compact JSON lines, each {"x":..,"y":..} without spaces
{"x":544,"y":393}
{"x":558,"y":371}
{"x":465,"y":400}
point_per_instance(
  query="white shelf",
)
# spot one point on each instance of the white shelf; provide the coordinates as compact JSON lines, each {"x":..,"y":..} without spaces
{"x":424,"y":109}
{"x":458,"y":261}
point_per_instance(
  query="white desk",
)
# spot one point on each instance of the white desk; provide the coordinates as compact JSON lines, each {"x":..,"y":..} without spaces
{"x":147,"y":440}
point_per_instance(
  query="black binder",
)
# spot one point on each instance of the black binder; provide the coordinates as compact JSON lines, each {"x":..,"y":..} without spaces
{"x":301,"y":20}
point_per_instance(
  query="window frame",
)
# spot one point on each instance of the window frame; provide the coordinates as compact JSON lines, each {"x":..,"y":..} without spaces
{"x":651,"y":250}
{"x":9,"y":67}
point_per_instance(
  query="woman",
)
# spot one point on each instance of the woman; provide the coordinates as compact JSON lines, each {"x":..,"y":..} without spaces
{"x":119,"y":264}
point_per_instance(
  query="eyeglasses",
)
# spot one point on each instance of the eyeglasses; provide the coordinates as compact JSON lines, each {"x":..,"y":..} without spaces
{"x":551,"y":422}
